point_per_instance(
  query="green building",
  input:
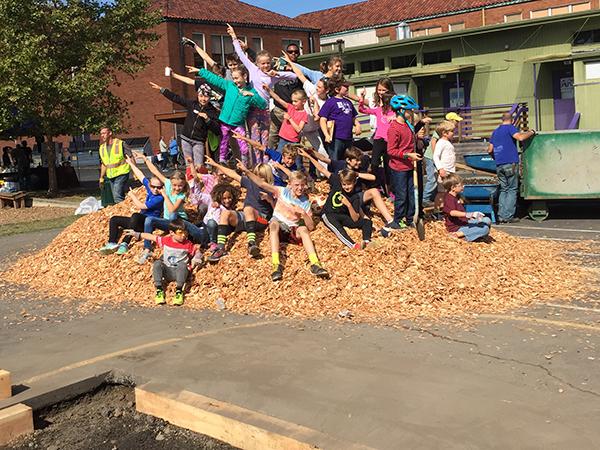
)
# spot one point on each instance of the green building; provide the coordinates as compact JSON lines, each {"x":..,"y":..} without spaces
{"x":549,"y":67}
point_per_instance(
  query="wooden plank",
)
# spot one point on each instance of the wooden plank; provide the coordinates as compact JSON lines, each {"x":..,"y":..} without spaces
{"x":233,"y":424}
{"x":14,"y":422}
{"x":5,"y":384}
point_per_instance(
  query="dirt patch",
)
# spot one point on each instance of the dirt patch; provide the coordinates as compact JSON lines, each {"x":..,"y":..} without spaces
{"x":107,"y":419}
{"x":11,"y":215}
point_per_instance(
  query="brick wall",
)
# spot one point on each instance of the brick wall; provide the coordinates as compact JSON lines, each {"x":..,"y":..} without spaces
{"x":487,"y":16}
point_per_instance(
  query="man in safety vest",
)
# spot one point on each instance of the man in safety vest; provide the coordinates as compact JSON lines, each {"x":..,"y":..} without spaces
{"x":113,"y":165}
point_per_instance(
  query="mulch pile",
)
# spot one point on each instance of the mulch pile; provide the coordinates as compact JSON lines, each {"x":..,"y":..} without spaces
{"x":395,"y":278}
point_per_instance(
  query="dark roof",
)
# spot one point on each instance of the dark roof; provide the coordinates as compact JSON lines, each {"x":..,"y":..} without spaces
{"x":373,"y":13}
{"x":227,"y":11}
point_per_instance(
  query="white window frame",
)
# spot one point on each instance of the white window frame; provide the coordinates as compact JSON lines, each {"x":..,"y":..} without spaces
{"x":261,"y":42}
{"x":457,"y":23}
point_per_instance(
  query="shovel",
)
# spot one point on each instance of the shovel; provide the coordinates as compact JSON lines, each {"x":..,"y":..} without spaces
{"x":418,"y":182}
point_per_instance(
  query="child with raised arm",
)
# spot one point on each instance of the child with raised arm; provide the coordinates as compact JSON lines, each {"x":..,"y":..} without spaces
{"x":262,"y":78}
{"x":355,"y":161}
{"x":342,"y":112}
{"x":294,"y":118}
{"x":174,"y":265}
{"x":239,"y":98}
{"x":292,"y":221}
{"x":343,"y":207}
{"x":175,"y":190}
{"x":256,"y":213}
{"x":152,"y":207}
{"x":281,"y":163}
{"x":468,"y":225}
{"x":201,"y":118}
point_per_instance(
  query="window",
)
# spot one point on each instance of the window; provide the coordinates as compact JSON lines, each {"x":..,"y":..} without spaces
{"x":221,"y":45}
{"x":513,"y":17}
{"x":256,"y":44}
{"x":427,"y":31}
{"x":560,"y":10}
{"x":581,"y":7}
{"x":399,"y":62}
{"x":329,"y":47}
{"x":457,"y":26}
{"x":198,"y":38}
{"x":374,"y":65}
{"x":437,"y":57}
{"x":592,"y":70}
{"x":539,"y":13}
{"x":384,"y":38}
{"x":587,"y":37}
{"x":349,"y":68}
{"x":298,"y":42}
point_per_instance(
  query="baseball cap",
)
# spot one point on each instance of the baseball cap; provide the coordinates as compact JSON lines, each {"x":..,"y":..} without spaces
{"x":453,"y":116}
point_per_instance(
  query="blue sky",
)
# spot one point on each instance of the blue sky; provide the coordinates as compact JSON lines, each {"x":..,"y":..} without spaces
{"x":294,"y":7}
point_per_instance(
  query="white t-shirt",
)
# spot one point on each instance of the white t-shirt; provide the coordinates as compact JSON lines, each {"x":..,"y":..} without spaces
{"x":444,"y":156}
{"x":311,"y":90}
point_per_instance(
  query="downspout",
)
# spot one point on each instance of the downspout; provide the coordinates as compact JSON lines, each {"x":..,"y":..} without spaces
{"x":311,"y":43}
{"x":483,"y":16}
{"x":181,"y":55}
{"x":535,"y":98}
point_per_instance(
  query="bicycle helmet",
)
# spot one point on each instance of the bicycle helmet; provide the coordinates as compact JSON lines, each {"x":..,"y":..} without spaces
{"x":401,"y":103}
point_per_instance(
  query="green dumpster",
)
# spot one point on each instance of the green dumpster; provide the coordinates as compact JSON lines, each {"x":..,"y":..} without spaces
{"x":558,"y":165}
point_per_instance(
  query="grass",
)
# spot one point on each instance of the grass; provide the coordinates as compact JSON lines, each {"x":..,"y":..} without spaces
{"x":37,"y":225}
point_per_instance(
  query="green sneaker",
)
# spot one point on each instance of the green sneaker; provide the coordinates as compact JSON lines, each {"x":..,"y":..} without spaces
{"x":108,"y":248}
{"x":159,"y":298}
{"x":123,"y":248}
{"x":178,"y":300}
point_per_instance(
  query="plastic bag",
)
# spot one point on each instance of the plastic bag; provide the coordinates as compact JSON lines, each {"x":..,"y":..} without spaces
{"x":89,"y":205}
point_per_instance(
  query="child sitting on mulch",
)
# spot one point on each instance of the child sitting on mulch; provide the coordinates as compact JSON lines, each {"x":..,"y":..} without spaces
{"x":292,"y":220}
{"x":174,"y":265}
{"x":461,"y":224}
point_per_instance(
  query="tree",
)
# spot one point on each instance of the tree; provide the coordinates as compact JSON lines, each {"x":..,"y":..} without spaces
{"x":59,"y":59}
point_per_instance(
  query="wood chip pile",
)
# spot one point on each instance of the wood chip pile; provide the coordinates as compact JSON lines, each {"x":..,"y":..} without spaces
{"x":395,"y":278}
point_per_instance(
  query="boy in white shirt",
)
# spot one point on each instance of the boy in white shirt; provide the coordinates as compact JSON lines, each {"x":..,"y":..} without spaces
{"x":444,"y":156}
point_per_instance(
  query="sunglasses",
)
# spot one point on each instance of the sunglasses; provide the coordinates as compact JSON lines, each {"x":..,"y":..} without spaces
{"x":153,"y":186}
{"x":296,"y":52}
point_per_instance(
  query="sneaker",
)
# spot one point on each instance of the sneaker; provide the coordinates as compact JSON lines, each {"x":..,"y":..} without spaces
{"x":178,"y":300}
{"x":213,"y":246}
{"x":123,"y":248}
{"x":511,"y":220}
{"x":217,"y":255}
{"x":277,"y":273}
{"x":159,"y":298}
{"x":318,"y":271}
{"x":393,"y":225}
{"x":108,"y":248}
{"x":144,"y":257}
{"x":357,"y":246}
{"x":253,"y":250}
{"x":385,"y":232}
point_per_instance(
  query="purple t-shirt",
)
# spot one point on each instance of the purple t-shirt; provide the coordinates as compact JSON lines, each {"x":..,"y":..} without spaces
{"x":342,"y":112}
{"x":505,"y":147}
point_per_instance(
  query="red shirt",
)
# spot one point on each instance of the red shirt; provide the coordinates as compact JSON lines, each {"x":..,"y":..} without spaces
{"x":287,"y":131}
{"x":401,"y":140}
{"x":451,"y":203}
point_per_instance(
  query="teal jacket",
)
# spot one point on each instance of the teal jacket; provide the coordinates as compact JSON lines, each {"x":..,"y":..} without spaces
{"x":235,"y":105}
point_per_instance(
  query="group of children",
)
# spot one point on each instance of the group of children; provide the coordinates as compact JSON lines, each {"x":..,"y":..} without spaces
{"x":275,"y":181}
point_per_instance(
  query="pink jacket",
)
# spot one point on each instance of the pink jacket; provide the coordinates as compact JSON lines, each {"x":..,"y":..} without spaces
{"x":383,"y":124}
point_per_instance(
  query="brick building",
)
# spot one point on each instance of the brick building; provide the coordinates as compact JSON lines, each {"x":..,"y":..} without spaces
{"x":204,"y":22}
{"x":376,"y":21}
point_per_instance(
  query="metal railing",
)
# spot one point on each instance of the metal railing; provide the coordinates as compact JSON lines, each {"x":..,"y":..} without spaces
{"x":480,"y":121}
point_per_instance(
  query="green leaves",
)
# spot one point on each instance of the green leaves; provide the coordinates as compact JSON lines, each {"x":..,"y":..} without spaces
{"x":58,"y":60}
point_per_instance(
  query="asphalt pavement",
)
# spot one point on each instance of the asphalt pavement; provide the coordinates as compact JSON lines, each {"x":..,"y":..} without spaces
{"x":528,"y":379}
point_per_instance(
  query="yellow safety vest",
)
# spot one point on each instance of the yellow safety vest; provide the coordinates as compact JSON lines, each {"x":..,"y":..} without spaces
{"x":114,"y":160}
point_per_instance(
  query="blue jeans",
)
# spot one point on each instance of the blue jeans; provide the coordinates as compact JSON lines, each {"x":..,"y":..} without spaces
{"x":212,"y":227}
{"x":430,"y":188}
{"x":118,"y":185}
{"x":402,"y":186}
{"x":198,"y":235}
{"x":475,"y":230}
{"x":337,"y":149}
{"x":508,"y":177}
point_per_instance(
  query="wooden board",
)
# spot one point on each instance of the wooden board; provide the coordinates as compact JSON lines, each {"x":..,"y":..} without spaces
{"x":5,"y":385}
{"x":14,"y":422}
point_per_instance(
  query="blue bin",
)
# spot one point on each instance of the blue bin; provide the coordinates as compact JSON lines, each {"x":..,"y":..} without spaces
{"x":480,"y":191}
{"x":481,"y":161}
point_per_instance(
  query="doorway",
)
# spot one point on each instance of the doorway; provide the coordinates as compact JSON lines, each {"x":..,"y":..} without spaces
{"x":563,"y":97}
